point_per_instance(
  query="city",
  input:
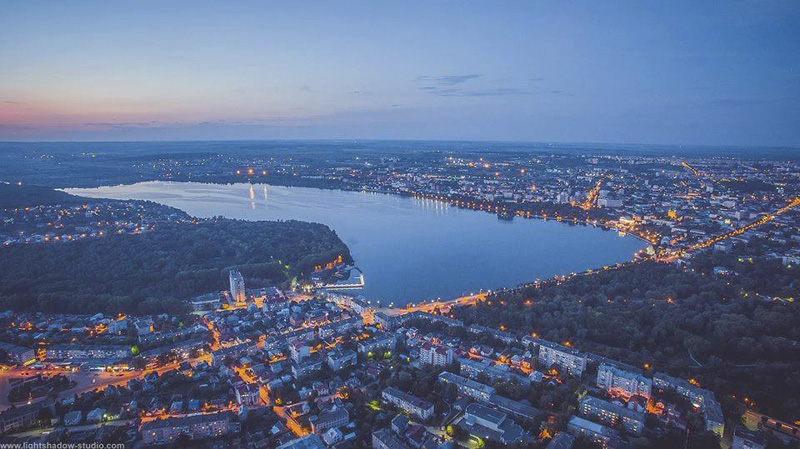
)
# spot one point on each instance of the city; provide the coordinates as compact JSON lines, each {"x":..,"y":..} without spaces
{"x":307,"y":364}
{"x":400,"y":225}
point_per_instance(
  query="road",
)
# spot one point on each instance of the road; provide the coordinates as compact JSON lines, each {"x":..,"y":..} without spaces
{"x":429,"y":307}
{"x":85,"y":381}
{"x":38,"y":432}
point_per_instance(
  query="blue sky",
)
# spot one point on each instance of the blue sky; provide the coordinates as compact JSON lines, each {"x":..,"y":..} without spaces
{"x":699,"y":72}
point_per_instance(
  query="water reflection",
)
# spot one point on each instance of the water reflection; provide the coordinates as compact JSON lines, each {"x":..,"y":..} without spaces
{"x":409,"y":249}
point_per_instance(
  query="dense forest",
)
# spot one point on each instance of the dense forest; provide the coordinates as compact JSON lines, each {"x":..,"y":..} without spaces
{"x":154,"y":272}
{"x":737,"y":333}
{"x":13,"y":195}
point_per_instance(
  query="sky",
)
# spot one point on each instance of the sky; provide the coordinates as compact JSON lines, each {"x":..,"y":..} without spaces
{"x":677,"y":72}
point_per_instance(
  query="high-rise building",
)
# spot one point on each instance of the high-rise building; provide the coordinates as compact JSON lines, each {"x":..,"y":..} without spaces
{"x":237,"y":286}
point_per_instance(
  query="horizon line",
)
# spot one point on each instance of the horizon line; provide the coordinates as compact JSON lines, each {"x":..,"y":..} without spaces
{"x":540,"y":142}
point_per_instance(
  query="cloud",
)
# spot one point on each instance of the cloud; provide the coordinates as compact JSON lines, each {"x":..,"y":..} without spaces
{"x":15,"y":127}
{"x":476,"y":85}
{"x":448,"y":80}
{"x":488,"y":92}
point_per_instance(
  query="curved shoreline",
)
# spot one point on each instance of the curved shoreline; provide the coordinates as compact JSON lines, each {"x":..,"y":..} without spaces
{"x":449,"y":289}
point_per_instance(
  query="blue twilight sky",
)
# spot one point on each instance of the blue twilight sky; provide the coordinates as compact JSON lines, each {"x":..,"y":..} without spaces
{"x":704,"y":72}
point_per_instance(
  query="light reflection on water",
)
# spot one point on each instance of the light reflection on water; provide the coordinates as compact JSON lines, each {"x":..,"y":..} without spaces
{"x":409,"y":249}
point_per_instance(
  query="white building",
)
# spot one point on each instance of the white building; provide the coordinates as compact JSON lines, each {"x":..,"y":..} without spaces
{"x":237,"y":286}
{"x":408,"y":403}
{"x":435,"y":355}
{"x":566,"y":358}
{"x":299,"y":351}
{"x":618,"y":382}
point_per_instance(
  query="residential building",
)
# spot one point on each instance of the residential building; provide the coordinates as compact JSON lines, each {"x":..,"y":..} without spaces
{"x":467,"y":387}
{"x":562,"y":440}
{"x":712,"y":412}
{"x":340,"y":359}
{"x":387,"y":322}
{"x":22,"y":417}
{"x":514,"y":408}
{"x":694,"y":394}
{"x":612,"y":414}
{"x":473,"y":368}
{"x":330,"y":419}
{"x":247,"y":394}
{"x":699,"y":397}
{"x":618,"y":382}
{"x":307,"y":367}
{"x":218,"y":357}
{"x":238,"y":293}
{"x":387,"y":341}
{"x":18,"y":354}
{"x":299,"y":350}
{"x":571,"y":360}
{"x":196,"y":427}
{"x":411,"y":404}
{"x":748,"y":439}
{"x":435,"y":355}
{"x":383,"y":439}
{"x":75,"y":352}
{"x":600,"y":434}
{"x":487,"y":423}
{"x":310,"y":441}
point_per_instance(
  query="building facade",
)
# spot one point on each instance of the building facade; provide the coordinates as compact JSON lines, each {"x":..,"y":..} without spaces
{"x":408,"y":403}
{"x":196,"y":427}
{"x":569,"y":359}
{"x":435,"y":355}
{"x":612,"y":414}
{"x":468,"y":387}
{"x":619,"y":382}
{"x":238,"y":293}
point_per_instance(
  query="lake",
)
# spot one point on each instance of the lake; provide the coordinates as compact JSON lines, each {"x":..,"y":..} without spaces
{"x":409,"y":249}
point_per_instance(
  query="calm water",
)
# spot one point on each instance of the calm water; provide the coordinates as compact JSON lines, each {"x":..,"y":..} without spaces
{"x":410,"y":250}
